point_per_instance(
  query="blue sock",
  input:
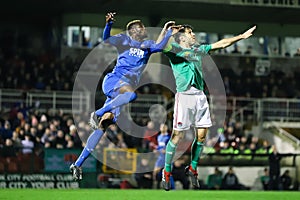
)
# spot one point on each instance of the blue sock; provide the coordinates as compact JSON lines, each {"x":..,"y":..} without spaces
{"x":91,"y":143}
{"x":120,"y":100}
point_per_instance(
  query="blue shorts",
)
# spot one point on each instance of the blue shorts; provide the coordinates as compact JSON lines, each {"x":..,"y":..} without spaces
{"x":112,"y":83}
{"x":110,"y":87}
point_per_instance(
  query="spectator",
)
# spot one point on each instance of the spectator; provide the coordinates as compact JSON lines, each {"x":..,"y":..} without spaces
{"x":75,"y":137}
{"x":297,"y":53}
{"x":248,"y":50}
{"x":69,"y":141}
{"x":264,"y":149}
{"x":275,"y":51}
{"x":149,"y":141}
{"x":144,"y":178}
{"x":244,"y":152}
{"x":230,"y":181}
{"x":178,"y":173}
{"x":265,"y":179}
{"x":274,"y":166}
{"x":236,"y":49}
{"x":27,"y":145}
{"x":162,"y":139}
{"x":229,"y":134}
{"x":214,"y":181}
{"x":48,"y":137}
{"x":226,"y":148}
{"x":8,"y":149}
{"x":19,"y":121}
{"x":287,"y":54}
{"x":286,"y":180}
{"x":60,"y":141}
{"x":16,"y":140}
{"x":115,"y":137}
{"x":6,"y":132}
{"x":227,"y":84}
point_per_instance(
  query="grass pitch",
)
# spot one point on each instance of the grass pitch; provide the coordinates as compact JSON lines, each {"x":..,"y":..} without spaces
{"x":130,"y":194}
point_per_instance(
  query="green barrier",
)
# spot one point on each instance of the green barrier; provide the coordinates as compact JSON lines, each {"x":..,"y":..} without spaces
{"x":59,"y":160}
{"x":43,"y":180}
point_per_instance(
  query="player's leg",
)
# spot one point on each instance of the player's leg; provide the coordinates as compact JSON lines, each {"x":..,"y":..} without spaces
{"x":196,"y":150}
{"x":118,"y":93}
{"x":181,"y":122}
{"x":170,"y":152}
{"x":171,"y":149}
{"x":124,"y":95}
{"x":91,"y":143}
{"x":202,"y":122}
{"x":156,"y":176}
{"x":94,"y":119}
{"x":157,"y":171}
{"x":197,"y":146}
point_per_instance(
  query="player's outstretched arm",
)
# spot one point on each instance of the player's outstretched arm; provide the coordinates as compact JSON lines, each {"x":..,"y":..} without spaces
{"x":109,"y":19}
{"x":229,"y":41}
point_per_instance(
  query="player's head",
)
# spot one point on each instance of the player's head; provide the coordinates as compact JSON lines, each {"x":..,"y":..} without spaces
{"x":136,"y":29}
{"x":163,"y":128}
{"x":185,"y":35}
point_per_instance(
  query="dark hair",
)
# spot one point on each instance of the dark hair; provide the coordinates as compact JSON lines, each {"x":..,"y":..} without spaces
{"x":177,"y":35}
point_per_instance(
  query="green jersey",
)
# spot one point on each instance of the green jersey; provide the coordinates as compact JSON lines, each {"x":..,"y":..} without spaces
{"x":187,"y":65}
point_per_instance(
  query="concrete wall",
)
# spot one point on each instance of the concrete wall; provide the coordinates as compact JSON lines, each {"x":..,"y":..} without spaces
{"x":249,"y":176}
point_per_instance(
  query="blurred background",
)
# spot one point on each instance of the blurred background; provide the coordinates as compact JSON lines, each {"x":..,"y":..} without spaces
{"x":44,"y":43}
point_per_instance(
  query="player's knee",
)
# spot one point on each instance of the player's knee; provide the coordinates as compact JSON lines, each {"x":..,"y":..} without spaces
{"x":106,"y":120}
{"x":201,"y":139}
{"x":201,"y":135}
{"x":176,"y":137}
{"x":133,"y":96}
{"x":106,"y":123}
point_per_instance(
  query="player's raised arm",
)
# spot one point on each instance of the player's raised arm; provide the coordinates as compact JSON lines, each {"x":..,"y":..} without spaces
{"x":167,"y":26}
{"x":164,"y":30}
{"x":229,"y":41}
{"x":109,"y":19}
{"x":169,"y":29}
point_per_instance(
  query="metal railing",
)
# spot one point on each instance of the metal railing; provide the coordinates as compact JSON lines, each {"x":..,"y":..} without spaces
{"x":261,"y":110}
{"x":75,"y":102}
{"x":264,"y":109}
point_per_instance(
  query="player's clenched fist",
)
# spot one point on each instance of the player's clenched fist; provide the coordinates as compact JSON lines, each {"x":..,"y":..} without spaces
{"x":110,"y":17}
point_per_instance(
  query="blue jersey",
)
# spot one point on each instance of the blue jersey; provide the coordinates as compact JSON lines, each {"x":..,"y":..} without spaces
{"x":162,"y":141}
{"x":133,"y":55}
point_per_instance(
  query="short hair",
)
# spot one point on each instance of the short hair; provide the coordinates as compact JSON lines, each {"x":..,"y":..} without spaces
{"x":177,"y":35}
{"x":133,"y":22}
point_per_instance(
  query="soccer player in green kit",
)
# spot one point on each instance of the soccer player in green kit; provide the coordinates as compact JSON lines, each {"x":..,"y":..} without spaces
{"x":191,"y":109}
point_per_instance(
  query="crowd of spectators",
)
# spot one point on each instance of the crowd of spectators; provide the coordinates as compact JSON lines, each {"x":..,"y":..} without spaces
{"x":27,"y":131}
{"x":276,"y":84}
{"x":48,"y":72}
{"x":40,"y":72}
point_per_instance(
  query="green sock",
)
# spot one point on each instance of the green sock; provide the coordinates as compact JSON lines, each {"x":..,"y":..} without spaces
{"x":195,"y":153}
{"x":170,"y":151}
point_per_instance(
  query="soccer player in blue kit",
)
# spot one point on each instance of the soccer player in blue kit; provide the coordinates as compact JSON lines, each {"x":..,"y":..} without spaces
{"x":162,"y":140}
{"x":118,"y":86}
